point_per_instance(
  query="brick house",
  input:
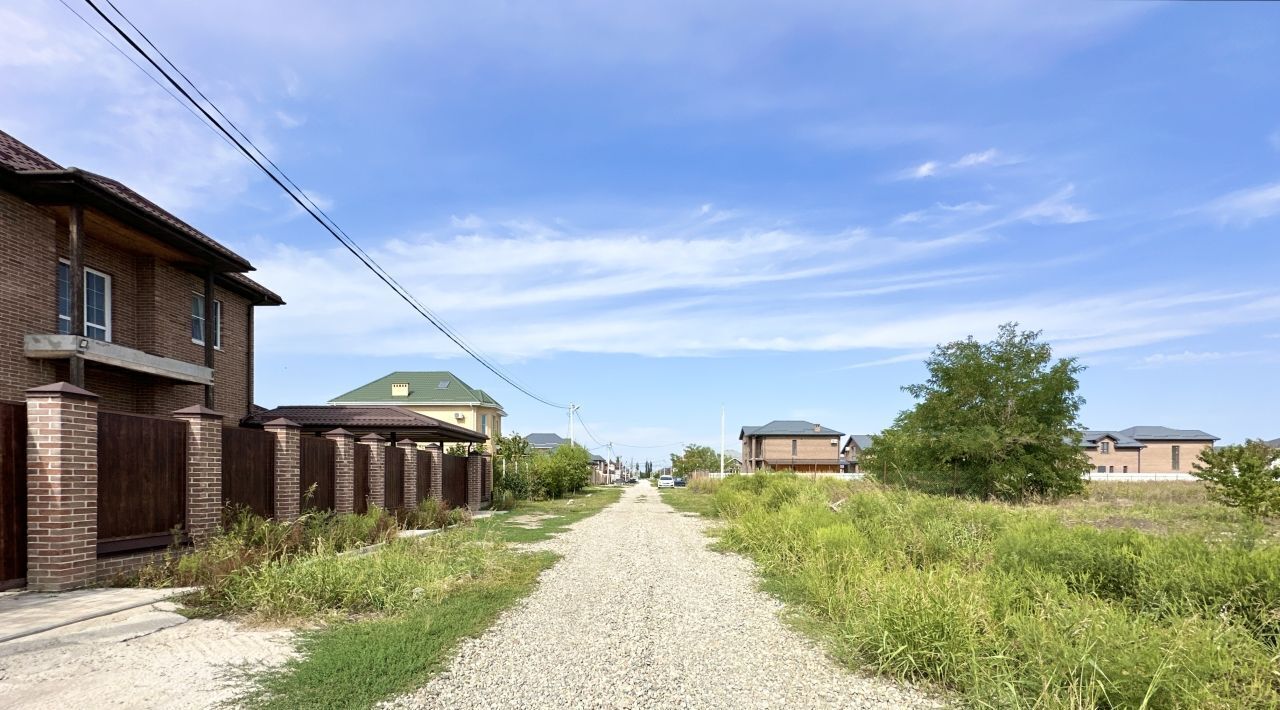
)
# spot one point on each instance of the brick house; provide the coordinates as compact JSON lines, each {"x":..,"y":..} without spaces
{"x":790,"y":445}
{"x":1145,"y":449}
{"x":852,"y":451}
{"x":437,"y":394}
{"x":104,"y":289}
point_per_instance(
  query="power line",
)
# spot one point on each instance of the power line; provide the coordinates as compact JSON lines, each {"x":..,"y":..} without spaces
{"x":614,"y":443}
{"x":304,"y":201}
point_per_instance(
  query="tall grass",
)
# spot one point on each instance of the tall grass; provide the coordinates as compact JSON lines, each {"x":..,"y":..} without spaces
{"x":1011,"y":607}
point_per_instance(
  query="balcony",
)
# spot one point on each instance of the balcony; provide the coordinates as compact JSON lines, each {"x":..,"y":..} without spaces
{"x":61,"y":347}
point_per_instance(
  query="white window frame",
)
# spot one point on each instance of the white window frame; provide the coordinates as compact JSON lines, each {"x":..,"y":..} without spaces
{"x":217,"y":322}
{"x":84,"y":302}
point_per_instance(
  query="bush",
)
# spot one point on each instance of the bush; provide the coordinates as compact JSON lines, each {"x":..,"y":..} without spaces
{"x":431,"y":513}
{"x":503,"y":500}
{"x":565,"y":470}
{"x":1243,"y":476}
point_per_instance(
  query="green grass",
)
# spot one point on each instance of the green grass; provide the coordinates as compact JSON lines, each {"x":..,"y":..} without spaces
{"x":1014,"y":607}
{"x":355,"y":665}
{"x":687,"y":500}
{"x":519,"y":525}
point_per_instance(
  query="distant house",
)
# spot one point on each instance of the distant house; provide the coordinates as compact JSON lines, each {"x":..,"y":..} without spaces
{"x":792,"y":445}
{"x":437,"y":394}
{"x":1145,"y":449}
{"x":544,"y":441}
{"x":852,"y":450}
{"x":1273,"y":443}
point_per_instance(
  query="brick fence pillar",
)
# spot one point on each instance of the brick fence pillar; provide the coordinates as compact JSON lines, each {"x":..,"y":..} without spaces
{"x":410,"y":473}
{"x":62,"y":487}
{"x":204,"y":471}
{"x":288,"y":474}
{"x":473,"y":480}
{"x":377,"y":469}
{"x":344,"y":473}
{"x":436,"y":474}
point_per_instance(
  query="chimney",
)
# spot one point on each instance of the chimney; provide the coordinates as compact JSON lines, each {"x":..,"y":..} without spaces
{"x":817,"y":428}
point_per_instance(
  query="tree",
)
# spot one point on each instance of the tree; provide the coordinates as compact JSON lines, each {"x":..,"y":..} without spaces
{"x":567,"y":468}
{"x":511,"y":466}
{"x":995,"y":420}
{"x":1242,"y":476}
{"x":695,"y":458}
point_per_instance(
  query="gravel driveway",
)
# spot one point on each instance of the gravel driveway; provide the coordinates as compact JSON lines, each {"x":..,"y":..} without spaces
{"x":640,"y":614}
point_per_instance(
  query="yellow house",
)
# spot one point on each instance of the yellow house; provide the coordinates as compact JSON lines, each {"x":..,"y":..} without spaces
{"x":439,"y":395}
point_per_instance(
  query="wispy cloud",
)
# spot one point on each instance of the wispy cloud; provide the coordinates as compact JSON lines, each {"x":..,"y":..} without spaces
{"x":1244,"y":207}
{"x":1190,"y":357}
{"x":894,"y":360}
{"x":934,"y":168}
{"x":1057,"y":209}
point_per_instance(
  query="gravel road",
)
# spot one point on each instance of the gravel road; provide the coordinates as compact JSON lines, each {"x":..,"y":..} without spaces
{"x":641,"y":614}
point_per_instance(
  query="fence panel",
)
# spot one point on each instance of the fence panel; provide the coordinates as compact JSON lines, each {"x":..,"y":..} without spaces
{"x":142,"y":481}
{"x":424,"y":477}
{"x":394,"y":479}
{"x":362,"y":478}
{"x":486,"y":482}
{"x":454,"y":488}
{"x":317,"y":465}
{"x":249,"y":470}
{"x":13,"y":494}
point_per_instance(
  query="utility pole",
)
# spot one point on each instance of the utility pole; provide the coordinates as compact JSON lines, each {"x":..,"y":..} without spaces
{"x":722,"y":441}
{"x":572,"y":408}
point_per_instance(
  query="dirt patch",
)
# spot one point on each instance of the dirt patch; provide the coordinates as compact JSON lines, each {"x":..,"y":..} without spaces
{"x":530,"y":521}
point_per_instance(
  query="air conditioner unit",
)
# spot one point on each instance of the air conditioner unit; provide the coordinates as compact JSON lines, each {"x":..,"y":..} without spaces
{"x":460,"y":416}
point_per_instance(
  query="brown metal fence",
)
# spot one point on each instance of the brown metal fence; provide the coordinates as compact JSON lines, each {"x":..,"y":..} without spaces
{"x":362,"y":478}
{"x":394,"y":478}
{"x":317,"y":465}
{"x":424,"y":477}
{"x":13,"y":494}
{"x":486,"y":482}
{"x":142,"y":481}
{"x":248,"y":470}
{"x":454,"y":485}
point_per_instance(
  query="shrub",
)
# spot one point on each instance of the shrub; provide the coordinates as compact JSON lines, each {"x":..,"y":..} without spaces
{"x":1242,"y":476}
{"x":431,"y":513}
{"x":503,"y":500}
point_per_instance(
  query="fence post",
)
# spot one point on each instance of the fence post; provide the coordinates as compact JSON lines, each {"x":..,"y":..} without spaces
{"x":437,"y":471}
{"x":288,"y":458}
{"x":204,"y":470}
{"x":487,"y":473}
{"x":474,"y":474}
{"x":62,"y":487}
{"x":410,"y":473}
{"x":344,"y":473}
{"x":377,"y":494}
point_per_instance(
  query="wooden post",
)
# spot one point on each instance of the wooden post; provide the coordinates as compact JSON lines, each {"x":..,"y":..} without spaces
{"x":75,"y":224}
{"x":209,"y":332}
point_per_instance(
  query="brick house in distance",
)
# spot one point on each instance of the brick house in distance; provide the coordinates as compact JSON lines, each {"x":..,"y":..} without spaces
{"x":790,"y":445}
{"x":439,"y":395}
{"x":102,"y":288}
{"x":1145,"y":449}
{"x":852,"y":451}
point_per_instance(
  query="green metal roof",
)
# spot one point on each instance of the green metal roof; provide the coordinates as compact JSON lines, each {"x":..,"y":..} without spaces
{"x":439,"y":387}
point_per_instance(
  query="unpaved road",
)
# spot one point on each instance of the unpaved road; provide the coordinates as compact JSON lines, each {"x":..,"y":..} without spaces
{"x":641,"y":614}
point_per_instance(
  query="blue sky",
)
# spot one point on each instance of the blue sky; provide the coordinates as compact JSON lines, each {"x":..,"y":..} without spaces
{"x":654,"y":210}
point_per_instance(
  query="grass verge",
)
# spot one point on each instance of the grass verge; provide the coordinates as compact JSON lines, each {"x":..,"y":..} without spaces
{"x":1013,"y":607}
{"x":532,"y":521}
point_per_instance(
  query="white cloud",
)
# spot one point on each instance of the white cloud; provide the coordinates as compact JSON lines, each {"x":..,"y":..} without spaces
{"x":923,"y":170}
{"x":288,"y":120}
{"x":1189,"y":357}
{"x":1057,"y":209}
{"x":986,"y":157}
{"x":894,"y":360}
{"x":1244,"y":207}
{"x":933,"y":168}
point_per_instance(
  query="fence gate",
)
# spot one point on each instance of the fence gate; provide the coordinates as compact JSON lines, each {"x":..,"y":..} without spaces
{"x":362,"y":478}
{"x":142,"y":481}
{"x":424,"y":477}
{"x":13,"y":495}
{"x":394,"y":479}
{"x":248,"y":470}
{"x":317,"y":463}
{"x":454,"y":488}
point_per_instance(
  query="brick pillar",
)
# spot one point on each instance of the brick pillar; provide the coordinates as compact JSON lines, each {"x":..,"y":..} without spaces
{"x":486,"y":471}
{"x":377,"y":470}
{"x":344,"y":474}
{"x":473,"y":480}
{"x":410,"y":472}
{"x":288,"y":444}
{"x":62,"y":487}
{"x":437,"y":471}
{"x":204,"y":471}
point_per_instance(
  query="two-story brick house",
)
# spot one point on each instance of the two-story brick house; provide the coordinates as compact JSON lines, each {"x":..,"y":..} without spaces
{"x":790,"y":445}
{"x":103,"y":288}
{"x":1145,"y":449}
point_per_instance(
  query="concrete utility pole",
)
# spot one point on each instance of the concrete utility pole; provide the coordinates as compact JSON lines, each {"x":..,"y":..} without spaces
{"x":722,"y":441}
{"x":572,"y":408}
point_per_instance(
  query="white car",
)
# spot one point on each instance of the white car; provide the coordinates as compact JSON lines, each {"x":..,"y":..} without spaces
{"x":666,"y":482}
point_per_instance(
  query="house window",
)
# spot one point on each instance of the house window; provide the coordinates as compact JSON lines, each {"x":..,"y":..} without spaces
{"x":197,"y":321}
{"x":1102,"y":469}
{"x":793,"y":448}
{"x":1106,"y":447}
{"x":1126,"y":469}
{"x":97,"y":302}
{"x":1112,"y":469}
{"x":484,"y":423}
{"x":1177,"y":457}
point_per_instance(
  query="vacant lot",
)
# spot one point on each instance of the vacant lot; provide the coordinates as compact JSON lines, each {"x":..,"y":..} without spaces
{"x":1131,"y":597}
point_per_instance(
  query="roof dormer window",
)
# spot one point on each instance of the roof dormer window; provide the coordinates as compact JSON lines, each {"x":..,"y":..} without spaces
{"x":443,"y":385}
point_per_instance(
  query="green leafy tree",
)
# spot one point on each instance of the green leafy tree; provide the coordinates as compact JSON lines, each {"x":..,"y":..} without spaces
{"x":565,"y":469}
{"x":695,"y":458}
{"x":512,"y":466}
{"x":458,"y":450}
{"x":1244,"y":476}
{"x":995,"y":420}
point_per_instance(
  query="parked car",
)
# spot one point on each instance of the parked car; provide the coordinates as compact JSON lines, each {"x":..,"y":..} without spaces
{"x":666,"y":482}
{"x":681,"y":482}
